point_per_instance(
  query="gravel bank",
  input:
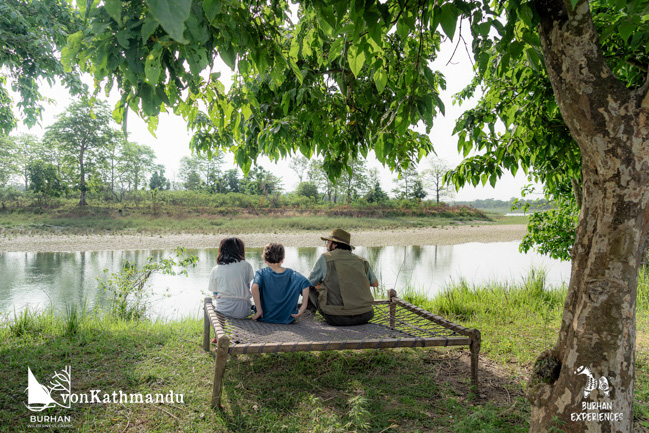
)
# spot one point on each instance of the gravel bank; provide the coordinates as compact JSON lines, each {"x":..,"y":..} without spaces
{"x":425,"y":236}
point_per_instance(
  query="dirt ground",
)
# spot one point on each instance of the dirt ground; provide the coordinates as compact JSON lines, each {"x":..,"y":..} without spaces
{"x":424,"y":236}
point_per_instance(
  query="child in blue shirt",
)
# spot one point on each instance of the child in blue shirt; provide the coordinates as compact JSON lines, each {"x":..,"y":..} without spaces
{"x":276,"y":289}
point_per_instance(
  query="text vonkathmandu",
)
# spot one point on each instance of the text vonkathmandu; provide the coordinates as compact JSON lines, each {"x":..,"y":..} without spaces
{"x":96,"y":396}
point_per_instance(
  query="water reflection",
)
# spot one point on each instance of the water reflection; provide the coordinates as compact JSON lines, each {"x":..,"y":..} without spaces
{"x":40,"y":280}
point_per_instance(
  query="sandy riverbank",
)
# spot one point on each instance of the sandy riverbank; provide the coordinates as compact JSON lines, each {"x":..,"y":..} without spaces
{"x":425,"y":236}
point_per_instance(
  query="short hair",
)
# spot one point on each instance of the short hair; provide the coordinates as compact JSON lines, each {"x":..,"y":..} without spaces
{"x":231,"y":250}
{"x":341,"y":246}
{"x":273,"y":253}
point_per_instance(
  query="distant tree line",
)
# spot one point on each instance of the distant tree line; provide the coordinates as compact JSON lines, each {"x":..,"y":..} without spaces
{"x":513,"y":204}
{"x":359,"y":182}
{"x":84,"y":152}
{"x":80,"y":152}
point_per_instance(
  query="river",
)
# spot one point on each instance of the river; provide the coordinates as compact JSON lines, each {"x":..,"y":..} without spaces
{"x":39,"y":280}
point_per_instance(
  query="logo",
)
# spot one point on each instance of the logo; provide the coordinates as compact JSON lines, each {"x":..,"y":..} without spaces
{"x":601,"y":409}
{"x":592,"y":384}
{"x":59,"y":393}
{"x":41,"y":397}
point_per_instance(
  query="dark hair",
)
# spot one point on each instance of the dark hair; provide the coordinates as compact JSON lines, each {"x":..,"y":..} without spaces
{"x":273,"y":253}
{"x":231,"y":250}
{"x":341,"y":246}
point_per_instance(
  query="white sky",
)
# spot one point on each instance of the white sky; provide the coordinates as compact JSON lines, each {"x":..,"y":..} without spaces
{"x":172,"y":138}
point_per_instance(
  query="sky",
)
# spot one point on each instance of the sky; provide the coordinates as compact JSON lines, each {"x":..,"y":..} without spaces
{"x":171,"y":141}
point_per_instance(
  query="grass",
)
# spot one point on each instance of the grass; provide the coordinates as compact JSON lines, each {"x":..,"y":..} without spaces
{"x":206,"y":214}
{"x":524,"y":315}
{"x":303,"y":392}
{"x":406,"y":390}
{"x":520,"y":320}
{"x":40,"y":224}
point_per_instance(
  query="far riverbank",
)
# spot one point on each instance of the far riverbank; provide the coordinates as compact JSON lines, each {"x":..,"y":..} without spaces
{"x":446,"y":235}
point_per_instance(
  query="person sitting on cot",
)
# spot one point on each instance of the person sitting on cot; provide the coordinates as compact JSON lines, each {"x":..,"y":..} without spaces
{"x":342,"y":283}
{"x":230,"y":280}
{"x":276,"y":289}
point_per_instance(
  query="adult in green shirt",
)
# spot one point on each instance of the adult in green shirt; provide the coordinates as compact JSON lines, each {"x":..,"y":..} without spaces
{"x":341,"y":283}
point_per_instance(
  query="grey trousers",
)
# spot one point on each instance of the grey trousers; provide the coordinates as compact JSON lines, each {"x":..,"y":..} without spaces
{"x":335,"y":320}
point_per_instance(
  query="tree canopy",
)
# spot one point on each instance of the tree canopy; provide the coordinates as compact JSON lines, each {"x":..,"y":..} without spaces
{"x":31,"y":31}
{"x":339,"y":82}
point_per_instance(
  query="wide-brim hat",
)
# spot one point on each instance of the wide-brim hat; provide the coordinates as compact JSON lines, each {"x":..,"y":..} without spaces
{"x":340,"y":236}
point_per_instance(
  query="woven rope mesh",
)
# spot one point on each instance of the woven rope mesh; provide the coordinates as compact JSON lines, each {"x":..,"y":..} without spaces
{"x":313,"y":328}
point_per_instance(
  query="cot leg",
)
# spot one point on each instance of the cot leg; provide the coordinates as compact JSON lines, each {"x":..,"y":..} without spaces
{"x":393,"y":308}
{"x":474,"y":346}
{"x":219,"y":370}
{"x":206,"y":328}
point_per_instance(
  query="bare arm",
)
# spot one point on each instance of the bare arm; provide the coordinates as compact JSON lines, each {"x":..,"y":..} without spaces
{"x":255,"y":296}
{"x":375,"y":283}
{"x":305,"y":302}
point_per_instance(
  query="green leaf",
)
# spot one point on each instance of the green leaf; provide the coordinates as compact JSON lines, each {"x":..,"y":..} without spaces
{"x":211,"y":8}
{"x":228,"y":55}
{"x":526,"y":15}
{"x":378,"y":147}
{"x":150,"y":25}
{"x":533,"y":58}
{"x":244,"y":66}
{"x":114,"y":9}
{"x":246,"y":111}
{"x":327,"y":20}
{"x":356,"y":59}
{"x":574,"y":3}
{"x":380,"y":79}
{"x":336,"y":49}
{"x":152,"y":68}
{"x":296,"y":70}
{"x":123,"y":38}
{"x":625,"y":30}
{"x":448,"y":19}
{"x":150,"y":102}
{"x":402,"y":30}
{"x":171,"y":14}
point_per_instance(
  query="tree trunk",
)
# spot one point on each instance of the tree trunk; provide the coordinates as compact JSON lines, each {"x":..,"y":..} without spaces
{"x":585,"y":383}
{"x":82,"y":181}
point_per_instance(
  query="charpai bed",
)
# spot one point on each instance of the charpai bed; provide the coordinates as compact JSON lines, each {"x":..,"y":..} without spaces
{"x":396,"y":323}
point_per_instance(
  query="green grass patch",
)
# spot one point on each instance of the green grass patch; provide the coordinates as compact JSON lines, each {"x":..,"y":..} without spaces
{"x":518,"y":320}
{"x":398,"y":390}
{"x":39,"y":224}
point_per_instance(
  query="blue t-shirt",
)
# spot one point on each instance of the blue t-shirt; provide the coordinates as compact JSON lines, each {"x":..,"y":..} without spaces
{"x":279,"y":293}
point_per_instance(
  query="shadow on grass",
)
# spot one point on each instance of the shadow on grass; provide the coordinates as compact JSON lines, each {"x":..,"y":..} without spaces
{"x":401,"y":390}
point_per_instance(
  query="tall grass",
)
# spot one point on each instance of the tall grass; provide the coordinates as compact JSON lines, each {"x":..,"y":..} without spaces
{"x":464,"y":301}
{"x":524,"y":315}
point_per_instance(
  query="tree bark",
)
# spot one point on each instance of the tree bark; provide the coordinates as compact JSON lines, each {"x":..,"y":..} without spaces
{"x":597,"y":337}
{"x":82,"y":182}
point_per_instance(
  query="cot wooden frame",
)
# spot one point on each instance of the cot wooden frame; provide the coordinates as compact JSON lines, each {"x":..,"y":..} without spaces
{"x":469,"y":337}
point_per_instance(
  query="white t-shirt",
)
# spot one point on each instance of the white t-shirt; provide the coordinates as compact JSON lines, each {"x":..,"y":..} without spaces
{"x":232,"y":280}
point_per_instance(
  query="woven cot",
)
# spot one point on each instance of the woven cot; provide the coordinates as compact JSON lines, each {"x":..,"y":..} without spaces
{"x":396,"y":323}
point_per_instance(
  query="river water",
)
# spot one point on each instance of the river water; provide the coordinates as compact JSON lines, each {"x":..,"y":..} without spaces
{"x":40,"y":280}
